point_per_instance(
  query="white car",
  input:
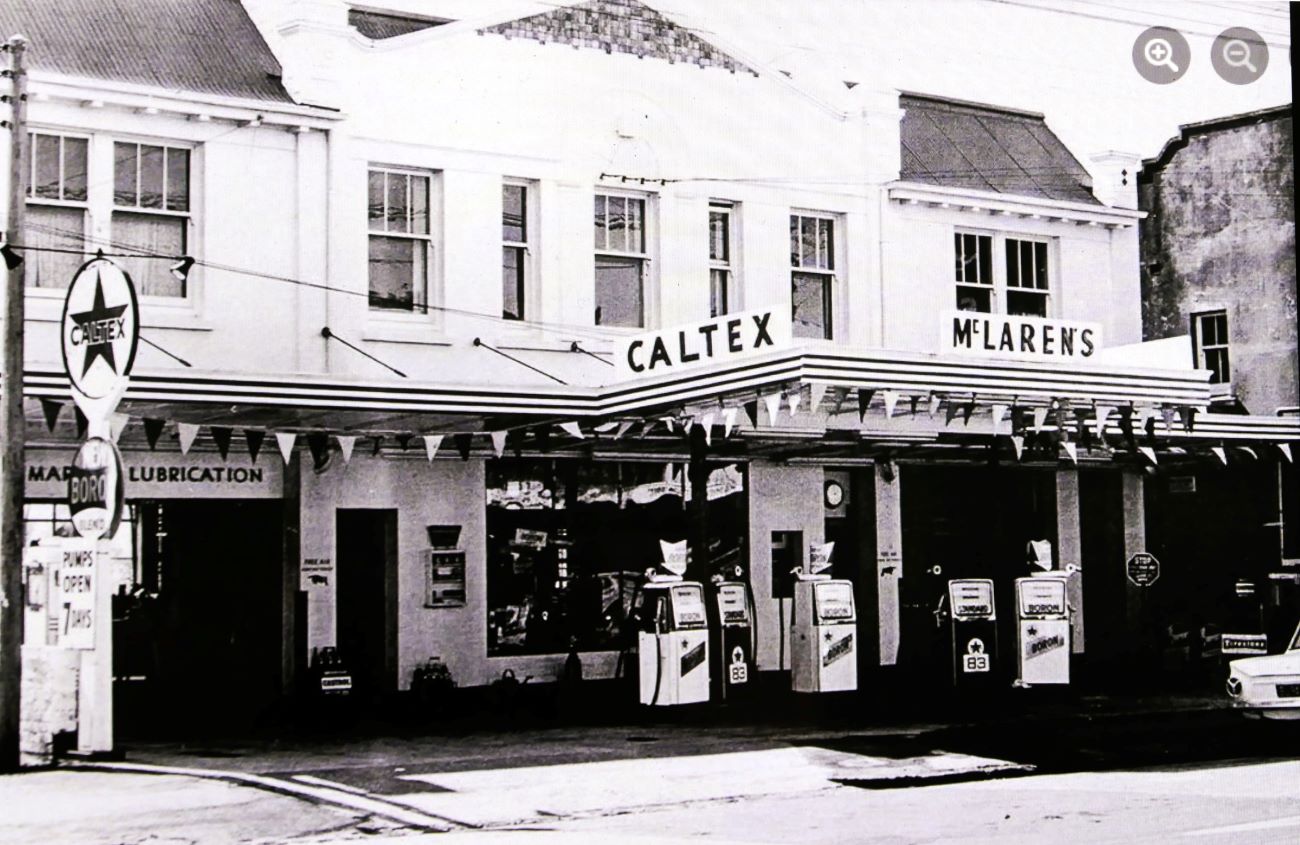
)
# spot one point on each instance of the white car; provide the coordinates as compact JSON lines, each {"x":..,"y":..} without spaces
{"x":1268,"y":686}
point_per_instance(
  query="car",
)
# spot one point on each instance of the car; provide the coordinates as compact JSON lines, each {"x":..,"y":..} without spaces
{"x":1268,"y":687}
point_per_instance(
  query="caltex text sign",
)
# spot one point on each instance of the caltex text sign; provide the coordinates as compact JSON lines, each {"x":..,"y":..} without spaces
{"x":100,"y":329}
{"x":975,"y":333}
{"x":717,"y":341}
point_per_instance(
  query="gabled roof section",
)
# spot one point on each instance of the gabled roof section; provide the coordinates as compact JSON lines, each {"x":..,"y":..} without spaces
{"x":199,"y":46}
{"x":620,"y":26}
{"x":380,"y":25}
{"x":966,"y":145}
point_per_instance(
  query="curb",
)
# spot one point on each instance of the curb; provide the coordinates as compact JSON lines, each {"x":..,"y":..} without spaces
{"x":316,"y":794}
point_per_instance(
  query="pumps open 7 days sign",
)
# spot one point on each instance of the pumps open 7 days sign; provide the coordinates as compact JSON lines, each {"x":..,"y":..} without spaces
{"x":100,"y":328}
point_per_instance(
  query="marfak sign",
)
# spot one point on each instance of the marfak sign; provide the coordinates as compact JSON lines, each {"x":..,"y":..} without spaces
{"x":974,"y":333}
{"x":100,"y":331}
{"x":721,"y":340}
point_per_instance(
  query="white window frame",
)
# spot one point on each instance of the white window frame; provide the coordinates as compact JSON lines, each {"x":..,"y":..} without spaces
{"x":647,"y":263}
{"x":189,"y":227}
{"x":47,"y":202}
{"x":831,"y":273}
{"x":999,"y":286}
{"x":729,"y":265}
{"x":423,"y":307}
{"x":1200,"y":347}
{"x":529,"y":305}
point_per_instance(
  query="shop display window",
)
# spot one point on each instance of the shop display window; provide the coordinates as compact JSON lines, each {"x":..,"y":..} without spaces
{"x":569,"y":542}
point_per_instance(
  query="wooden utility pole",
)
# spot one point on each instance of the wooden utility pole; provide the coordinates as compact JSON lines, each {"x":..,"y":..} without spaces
{"x":13,"y":426}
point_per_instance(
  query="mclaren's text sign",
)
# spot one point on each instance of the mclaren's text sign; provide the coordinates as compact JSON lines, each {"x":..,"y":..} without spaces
{"x":100,"y":329}
{"x":718,"y":341}
{"x":973,"y":333}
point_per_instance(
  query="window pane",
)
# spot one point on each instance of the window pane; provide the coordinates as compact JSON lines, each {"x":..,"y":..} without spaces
{"x":719,"y":236}
{"x":1221,"y":327}
{"x":811,"y":305}
{"x":1026,"y":304}
{"x":718,"y":292}
{"x":617,"y":222}
{"x":1027,"y":274}
{"x":396,"y":273}
{"x":618,"y":292}
{"x":1040,"y":266}
{"x":74,"y":169}
{"x":124,"y":173}
{"x":178,"y":180}
{"x":985,"y":261}
{"x":420,"y":205}
{"x":636,"y":225}
{"x":957,"y":253}
{"x":974,"y":298}
{"x":795,"y":250}
{"x":45,"y":167}
{"x":826,"y":244}
{"x":376,"y":201}
{"x":397,"y":203}
{"x":1209,"y":335}
{"x":600,"y":219}
{"x":512,"y":283}
{"x":513,"y":222}
{"x":151,"y":176}
{"x":155,"y":235}
{"x":808,"y":241}
{"x":1013,"y":264}
{"x":63,"y":228}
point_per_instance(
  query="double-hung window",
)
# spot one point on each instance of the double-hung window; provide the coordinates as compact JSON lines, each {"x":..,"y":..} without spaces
{"x":57,"y":209}
{"x":722,"y":278}
{"x":1210,"y":333}
{"x":621,"y":260}
{"x":515,"y":230}
{"x":399,"y":239}
{"x":1019,"y":287}
{"x":151,"y":211}
{"x":812,"y":277}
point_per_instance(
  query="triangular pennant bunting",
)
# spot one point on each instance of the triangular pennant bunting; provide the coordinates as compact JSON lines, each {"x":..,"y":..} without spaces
{"x":687,"y":425}
{"x":1072,"y":449}
{"x":186,"y":432}
{"x":404,"y":441}
{"x":1099,"y":424}
{"x":432,"y":443}
{"x":1167,"y":414}
{"x":1285,"y":449}
{"x":1187,"y":416}
{"x":116,"y":425}
{"x":1149,"y":452}
{"x":999,"y":411}
{"x":915,"y":401}
{"x":816,"y":392}
{"x":668,"y":421}
{"x":221,"y":436}
{"x":1220,"y":453}
{"x":253,"y":437}
{"x":951,"y":413}
{"x":622,"y":429}
{"x":318,"y":443}
{"x":1040,"y":417}
{"x":499,"y":442}
{"x":864,"y":401}
{"x":1248,"y":451}
{"x":376,"y":443}
{"x":574,"y":430}
{"x":50,"y":409}
{"x":773,"y":403}
{"x":346,"y":444}
{"x":935,"y":401}
{"x":285,"y":440}
{"x":891,"y":402}
{"x":463,"y":444}
{"x":707,"y":422}
{"x":1018,"y":441}
{"x":82,"y":422}
{"x":793,"y":400}
{"x":751,"y":411}
{"x":966,"y":411}
{"x":152,"y":431}
{"x":728,"y":422}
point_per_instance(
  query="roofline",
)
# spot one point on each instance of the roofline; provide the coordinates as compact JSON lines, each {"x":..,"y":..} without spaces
{"x":1187,"y":131}
{"x":952,"y":101}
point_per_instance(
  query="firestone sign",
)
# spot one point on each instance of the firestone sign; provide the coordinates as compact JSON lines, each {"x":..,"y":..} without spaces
{"x":100,"y":331}
{"x":718,"y":341}
{"x":974,"y":333}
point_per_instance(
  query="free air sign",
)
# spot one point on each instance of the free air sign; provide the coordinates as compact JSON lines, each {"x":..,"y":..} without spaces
{"x":1143,"y":569}
{"x":721,"y":340}
{"x":999,"y":335}
{"x":96,"y":490}
{"x":100,"y":331}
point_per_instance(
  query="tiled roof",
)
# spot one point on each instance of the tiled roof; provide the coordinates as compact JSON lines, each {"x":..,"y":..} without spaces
{"x":962,"y":145}
{"x":381,"y":25}
{"x":198,"y":46}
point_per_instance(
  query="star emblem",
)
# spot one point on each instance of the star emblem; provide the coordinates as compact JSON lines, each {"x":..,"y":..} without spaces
{"x":828,"y":636}
{"x":99,"y":328}
{"x":1033,"y":632}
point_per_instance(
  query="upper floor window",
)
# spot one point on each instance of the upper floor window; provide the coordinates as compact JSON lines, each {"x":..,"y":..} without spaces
{"x":1210,"y":335}
{"x":399,"y":239}
{"x":515,"y":232}
{"x":57,"y":209}
{"x":151,"y":211}
{"x":1020,"y":286}
{"x":722,"y":274}
{"x":812,"y":279}
{"x":621,"y":260}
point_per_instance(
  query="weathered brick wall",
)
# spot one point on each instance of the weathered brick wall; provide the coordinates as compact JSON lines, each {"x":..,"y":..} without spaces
{"x":620,"y":26}
{"x":1221,"y":234}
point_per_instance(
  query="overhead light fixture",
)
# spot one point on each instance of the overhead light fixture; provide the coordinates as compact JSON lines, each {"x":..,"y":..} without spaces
{"x":12,"y":259}
{"x":181,"y":269}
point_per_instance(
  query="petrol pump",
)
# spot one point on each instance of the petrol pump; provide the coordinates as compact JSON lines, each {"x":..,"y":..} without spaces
{"x":974,"y":631}
{"x":1042,"y":631}
{"x":823,"y":654}
{"x":735,"y":640}
{"x":673,"y":637}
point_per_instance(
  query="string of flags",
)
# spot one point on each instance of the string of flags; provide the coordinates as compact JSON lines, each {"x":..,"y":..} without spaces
{"x":1050,"y":425}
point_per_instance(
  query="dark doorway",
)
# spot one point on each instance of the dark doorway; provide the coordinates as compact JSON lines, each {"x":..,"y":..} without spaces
{"x":203,"y":637}
{"x":367,"y":593}
{"x":1101,"y":555}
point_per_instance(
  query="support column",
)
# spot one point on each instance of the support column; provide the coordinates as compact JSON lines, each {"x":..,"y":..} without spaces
{"x":889,"y":559}
{"x":1135,"y":540}
{"x":1069,"y":550}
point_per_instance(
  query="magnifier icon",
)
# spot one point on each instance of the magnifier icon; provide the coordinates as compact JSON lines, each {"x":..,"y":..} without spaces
{"x":1160,"y":53}
{"x":1236,"y":53}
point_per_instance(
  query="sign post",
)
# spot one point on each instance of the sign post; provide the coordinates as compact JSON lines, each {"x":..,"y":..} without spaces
{"x":1143,"y":569}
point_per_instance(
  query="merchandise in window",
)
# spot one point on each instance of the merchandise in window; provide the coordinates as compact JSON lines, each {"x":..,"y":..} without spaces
{"x":399,"y":240}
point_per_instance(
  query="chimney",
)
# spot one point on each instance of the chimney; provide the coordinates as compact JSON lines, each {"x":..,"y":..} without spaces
{"x":881,"y":128}
{"x":308,"y":38}
{"x":1114,"y":176}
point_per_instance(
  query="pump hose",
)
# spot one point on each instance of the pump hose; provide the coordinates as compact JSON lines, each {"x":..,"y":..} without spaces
{"x":753,"y":624}
{"x":780,"y":634}
{"x":659,"y":668}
